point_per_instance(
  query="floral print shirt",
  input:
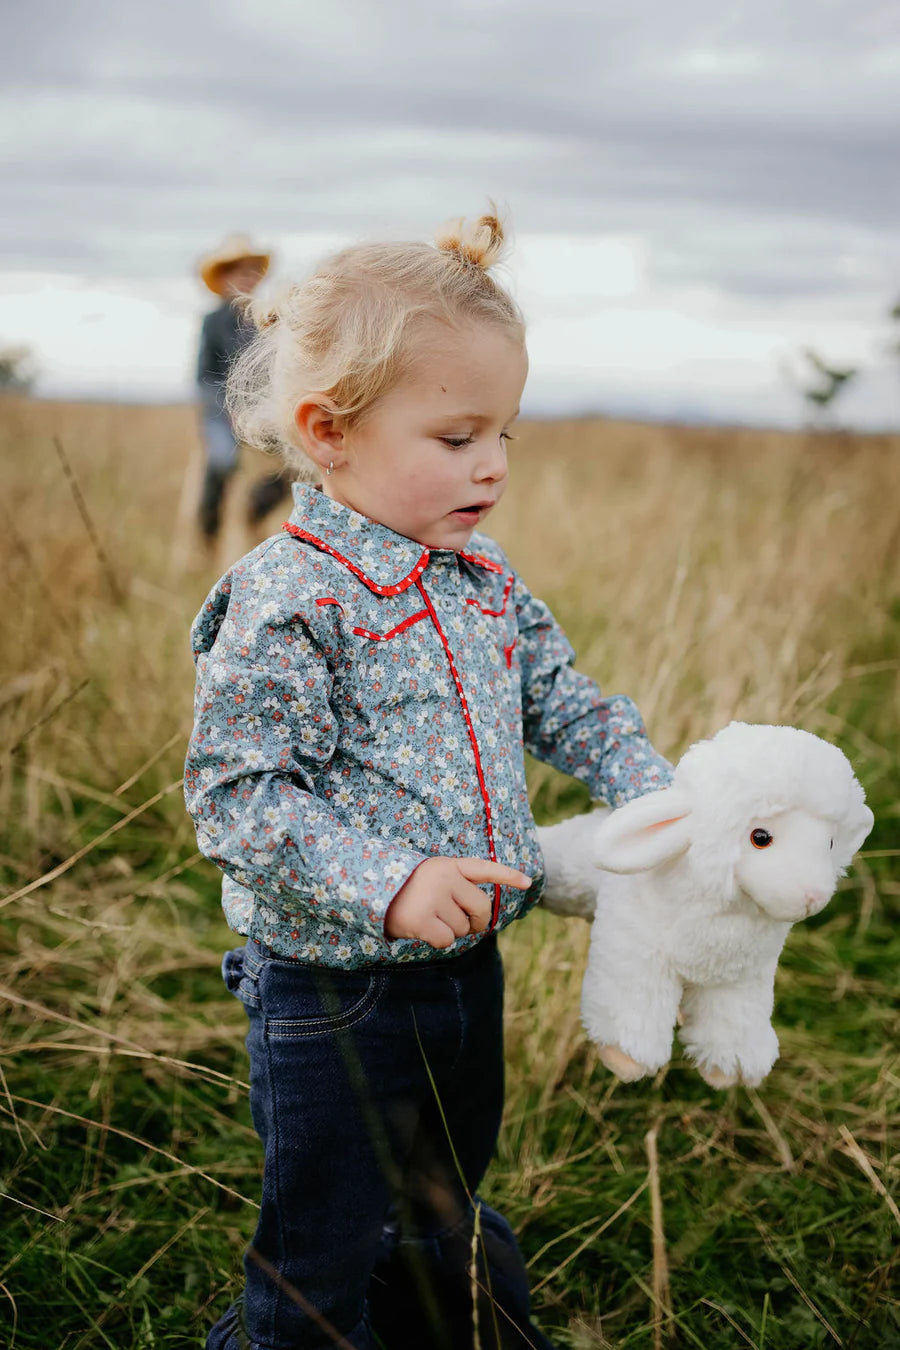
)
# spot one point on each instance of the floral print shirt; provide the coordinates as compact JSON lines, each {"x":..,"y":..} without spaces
{"x":363,"y":703}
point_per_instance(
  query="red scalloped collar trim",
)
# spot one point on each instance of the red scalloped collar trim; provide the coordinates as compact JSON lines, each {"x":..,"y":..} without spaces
{"x":481,"y":561}
{"x":409,"y":580}
{"x":375,"y":586}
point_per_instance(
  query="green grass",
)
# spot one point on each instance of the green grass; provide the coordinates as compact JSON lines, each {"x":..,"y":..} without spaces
{"x":711,"y":575}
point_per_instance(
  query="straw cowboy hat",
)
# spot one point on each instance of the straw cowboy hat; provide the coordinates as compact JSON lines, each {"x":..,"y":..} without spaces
{"x":236,"y":248}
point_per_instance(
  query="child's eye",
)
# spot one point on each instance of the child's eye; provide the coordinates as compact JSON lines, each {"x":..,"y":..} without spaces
{"x":507,"y":436}
{"x":457,"y":442}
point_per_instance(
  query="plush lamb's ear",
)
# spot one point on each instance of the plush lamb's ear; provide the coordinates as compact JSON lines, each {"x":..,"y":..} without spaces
{"x":859,"y":829}
{"x":645,"y":832}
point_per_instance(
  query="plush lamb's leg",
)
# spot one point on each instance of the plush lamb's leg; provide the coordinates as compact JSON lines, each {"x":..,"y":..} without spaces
{"x":622,"y":1065}
{"x":628,"y":1000}
{"x":571,"y":878}
{"x":727,"y":1030}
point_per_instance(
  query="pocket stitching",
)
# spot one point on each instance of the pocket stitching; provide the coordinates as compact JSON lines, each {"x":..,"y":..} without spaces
{"x":318,"y":1026}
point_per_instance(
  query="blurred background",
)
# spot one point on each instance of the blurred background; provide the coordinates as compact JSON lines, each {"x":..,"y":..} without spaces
{"x":705,"y":203}
{"x":702,"y":193}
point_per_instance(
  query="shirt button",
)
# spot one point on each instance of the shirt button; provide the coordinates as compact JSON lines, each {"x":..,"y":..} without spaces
{"x":448,"y":603}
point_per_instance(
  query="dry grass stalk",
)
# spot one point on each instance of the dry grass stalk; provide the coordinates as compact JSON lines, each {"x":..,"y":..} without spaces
{"x":99,"y":550}
{"x":587,"y":1242}
{"x":126,"y":1134}
{"x":781,"y":1144}
{"x":863,"y":1162}
{"x":76,"y":857}
{"x":662,"y":1319}
{"x":473,"y":1276}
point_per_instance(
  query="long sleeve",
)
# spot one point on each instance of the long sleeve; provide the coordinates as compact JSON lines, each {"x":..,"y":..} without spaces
{"x":206,"y":365}
{"x":264,"y":732}
{"x":568,"y":723}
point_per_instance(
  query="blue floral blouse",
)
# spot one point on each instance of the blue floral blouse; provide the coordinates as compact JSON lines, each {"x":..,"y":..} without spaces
{"x":364,"y":703}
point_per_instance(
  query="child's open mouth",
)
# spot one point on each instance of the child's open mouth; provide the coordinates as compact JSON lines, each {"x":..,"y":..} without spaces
{"x":470,"y":514}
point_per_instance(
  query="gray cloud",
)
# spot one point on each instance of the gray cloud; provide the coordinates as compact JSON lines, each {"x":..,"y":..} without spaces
{"x":753,"y":148}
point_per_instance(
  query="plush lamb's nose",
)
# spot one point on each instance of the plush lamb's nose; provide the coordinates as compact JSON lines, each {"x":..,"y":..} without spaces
{"x":815,"y":900}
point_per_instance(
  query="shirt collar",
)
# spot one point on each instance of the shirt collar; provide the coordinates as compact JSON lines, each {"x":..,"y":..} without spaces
{"x":387,"y":562}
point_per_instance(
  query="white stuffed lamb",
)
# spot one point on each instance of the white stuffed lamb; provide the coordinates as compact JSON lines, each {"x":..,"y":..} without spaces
{"x":753,"y":834}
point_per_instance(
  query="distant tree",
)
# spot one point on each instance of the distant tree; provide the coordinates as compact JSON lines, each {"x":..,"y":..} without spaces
{"x":894,"y":344}
{"x":829,"y":381}
{"x":17,"y":369}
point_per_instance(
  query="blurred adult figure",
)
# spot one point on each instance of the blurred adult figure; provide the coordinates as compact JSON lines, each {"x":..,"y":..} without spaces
{"x":231,"y":271}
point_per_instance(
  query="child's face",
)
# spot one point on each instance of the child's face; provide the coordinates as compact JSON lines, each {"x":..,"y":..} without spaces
{"x":429,"y":460}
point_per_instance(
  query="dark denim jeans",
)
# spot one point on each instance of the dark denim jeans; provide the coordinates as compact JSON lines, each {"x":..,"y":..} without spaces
{"x":377,"y":1095}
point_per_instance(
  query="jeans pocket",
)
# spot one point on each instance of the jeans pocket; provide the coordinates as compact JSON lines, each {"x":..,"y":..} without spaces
{"x":302,"y":1000}
{"x":241,"y":977}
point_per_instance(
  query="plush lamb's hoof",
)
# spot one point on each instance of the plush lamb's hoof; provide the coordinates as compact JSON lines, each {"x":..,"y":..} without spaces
{"x":622,"y":1065}
{"x":717,"y":1079}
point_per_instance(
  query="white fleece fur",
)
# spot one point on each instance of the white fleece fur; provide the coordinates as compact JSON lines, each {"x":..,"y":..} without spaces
{"x":689,"y":918}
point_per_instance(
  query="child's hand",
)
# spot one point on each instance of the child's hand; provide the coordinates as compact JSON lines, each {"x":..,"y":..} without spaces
{"x":441,"y":902}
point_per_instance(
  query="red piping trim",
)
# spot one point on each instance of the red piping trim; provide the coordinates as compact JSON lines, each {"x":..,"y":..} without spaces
{"x":480,"y":561}
{"x":495,"y":613}
{"x":414,"y":579}
{"x":396,"y":589}
{"x":492,"y":852}
{"x":330,"y":600}
{"x":401,"y":627}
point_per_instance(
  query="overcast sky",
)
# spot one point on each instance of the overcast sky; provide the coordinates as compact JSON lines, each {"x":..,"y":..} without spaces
{"x":698,"y":190}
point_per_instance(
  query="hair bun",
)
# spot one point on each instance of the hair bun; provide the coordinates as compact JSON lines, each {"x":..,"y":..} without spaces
{"x":480,"y":245}
{"x":260,"y":313}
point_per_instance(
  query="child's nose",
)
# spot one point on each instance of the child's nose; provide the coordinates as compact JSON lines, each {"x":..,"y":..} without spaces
{"x":492,"y":463}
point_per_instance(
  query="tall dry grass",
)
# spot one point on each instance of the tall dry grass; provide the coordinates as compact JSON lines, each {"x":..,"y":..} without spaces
{"x":717,"y":573}
{"x":710,"y":574}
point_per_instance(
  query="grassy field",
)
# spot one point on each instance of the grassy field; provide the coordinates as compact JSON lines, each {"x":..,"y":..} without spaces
{"x":710,"y":574}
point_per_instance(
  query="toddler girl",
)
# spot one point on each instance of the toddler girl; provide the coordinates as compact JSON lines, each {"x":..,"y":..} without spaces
{"x":368,"y":681}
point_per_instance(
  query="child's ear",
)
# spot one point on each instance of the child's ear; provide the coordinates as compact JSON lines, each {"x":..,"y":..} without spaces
{"x":321,"y":430}
{"x":643,"y":833}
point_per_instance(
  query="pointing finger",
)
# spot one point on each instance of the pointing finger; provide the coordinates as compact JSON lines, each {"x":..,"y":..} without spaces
{"x":484,"y":872}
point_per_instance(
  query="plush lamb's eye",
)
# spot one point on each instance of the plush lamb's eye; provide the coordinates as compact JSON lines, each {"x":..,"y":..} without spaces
{"x":831,"y":844}
{"x":760,"y":838}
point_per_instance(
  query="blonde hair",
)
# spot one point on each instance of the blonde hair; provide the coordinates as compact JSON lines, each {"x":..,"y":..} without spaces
{"x":348,"y":332}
